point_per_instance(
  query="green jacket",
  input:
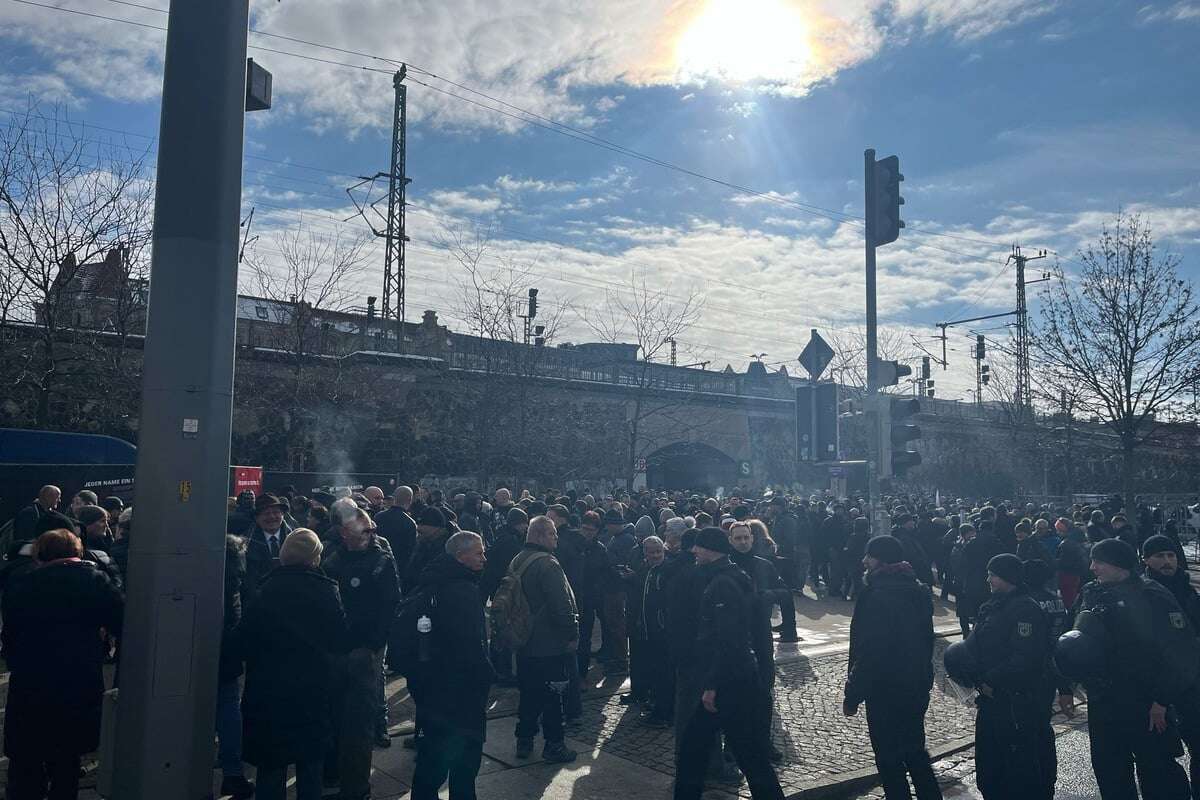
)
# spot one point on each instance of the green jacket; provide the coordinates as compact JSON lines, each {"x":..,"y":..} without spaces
{"x":551,"y":602}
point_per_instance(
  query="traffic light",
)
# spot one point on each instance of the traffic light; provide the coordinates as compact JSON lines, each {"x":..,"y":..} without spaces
{"x":532,"y":303}
{"x":929,"y":388}
{"x":887,"y":201}
{"x":539,"y":333}
{"x":848,"y":408}
{"x":980,"y":347}
{"x":820,"y":444}
{"x":894,"y":435}
{"x":925,"y":368}
{"x":985,"y":374}
{"x":890,"y":372}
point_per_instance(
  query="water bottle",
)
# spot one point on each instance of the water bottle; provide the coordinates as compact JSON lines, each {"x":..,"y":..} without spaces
{"x":424,"y":633}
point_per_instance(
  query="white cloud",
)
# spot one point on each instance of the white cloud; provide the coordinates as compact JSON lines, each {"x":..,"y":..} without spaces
{"x":461,"y":202}
{"x":532,"y":53}
{"x":509,"y":183}
{"x":1179,"y":12}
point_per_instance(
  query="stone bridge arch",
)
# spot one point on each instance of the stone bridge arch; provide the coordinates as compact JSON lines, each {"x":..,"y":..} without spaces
{"x":690,"y":465}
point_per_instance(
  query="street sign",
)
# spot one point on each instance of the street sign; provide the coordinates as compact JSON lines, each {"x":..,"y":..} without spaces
{"x":639,"y":465}
{"x":816,"y":356}
{"x":744,"y":469}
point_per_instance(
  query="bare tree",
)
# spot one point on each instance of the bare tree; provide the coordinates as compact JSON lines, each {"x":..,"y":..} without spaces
{"x":68,"y":200}
{"x":1124,"y":330}
{"x":849,"y":364}
{"x":315,"y":274}
{"x":650,"y":320}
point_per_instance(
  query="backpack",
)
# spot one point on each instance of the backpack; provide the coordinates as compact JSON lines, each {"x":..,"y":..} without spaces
{"x":404,"y":647}
{"x":512,"y":619}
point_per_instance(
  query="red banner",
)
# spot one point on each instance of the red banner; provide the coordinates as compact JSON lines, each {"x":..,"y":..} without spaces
{"x":247,"y":478}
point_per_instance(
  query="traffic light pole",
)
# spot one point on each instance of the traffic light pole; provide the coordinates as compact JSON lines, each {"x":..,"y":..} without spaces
{"x":172,"y":633}
{"x":872,"y":404}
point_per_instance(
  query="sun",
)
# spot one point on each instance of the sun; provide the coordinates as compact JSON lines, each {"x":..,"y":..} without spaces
{"x":744,"y":41}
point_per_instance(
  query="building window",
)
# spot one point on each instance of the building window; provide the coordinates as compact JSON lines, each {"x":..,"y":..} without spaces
{"x":260,"y":312}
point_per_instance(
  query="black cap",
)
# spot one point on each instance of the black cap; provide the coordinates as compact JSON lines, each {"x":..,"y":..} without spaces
{"x":1008,"y":568}
{"x":1115,"y":552}
{"x":886,"y":548}
{"x":516,"y":516}
{"x":714,"y":539}
{"x":613,"y":517}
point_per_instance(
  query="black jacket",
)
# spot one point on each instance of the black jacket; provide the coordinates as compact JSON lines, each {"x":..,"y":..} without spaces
{"x":258,"y":556}
{"x":370,"y":592}
{"x":684,"y":588}
{"x":400,"y":531}
{"x":891,"y":637}
{"x":235,"y":579}
{"x":425,"y":551}
{"x":973,"y":560}
{"x":52,"y":620}
{"x":1011,"y":644}
{"x":454,"y":691}
{"x":499,"y":556}
{"x":915,"y":554}
{"x":724,"y":630}
{"x":1151,"y":648}
{"x":290,"y":637}
{"x":767,"y":585}
{"x":1180,"y":586}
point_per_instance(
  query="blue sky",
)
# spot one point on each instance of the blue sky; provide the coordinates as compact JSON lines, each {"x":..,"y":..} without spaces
{"x":1016,"y":122}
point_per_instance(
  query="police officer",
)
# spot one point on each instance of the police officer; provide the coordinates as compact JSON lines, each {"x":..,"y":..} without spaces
{"x":1055,"y":685}
{"x":1159,"y":554}
{"x":1150,"y":662}
{"x":732,"y":692}
{"x":1011,"y":647}
{"x":891,"y":669}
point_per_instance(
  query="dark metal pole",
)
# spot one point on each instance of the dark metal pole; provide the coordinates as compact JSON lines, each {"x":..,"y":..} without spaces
{"x":167,"y":703}
{"x":871,"y":408}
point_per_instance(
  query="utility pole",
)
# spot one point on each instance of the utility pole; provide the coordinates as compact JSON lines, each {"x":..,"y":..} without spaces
{"x":394,"y":232}
{"x":980,"y":354}
{"x":1024,"y":391}
{"x":175,"y":605}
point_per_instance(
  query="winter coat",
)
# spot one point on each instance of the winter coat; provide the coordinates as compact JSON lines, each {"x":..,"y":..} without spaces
{"x":551,"y":604}
{"x":891,"y":637}
{"x":290,"y":638}
{"x":400,"y":531}
{"x":973,"y":584}
{"x":235,"y":578}
{"x":454,"y":690}
{"x":53,"y":616}
{"x":915,"y":555}
{"x":1151,"y":648}
{"x":425,"y":551}
{"x":767,"y":585}
{"x":499,"y":556}
{"x":1073,"y":559}
{"x":258,"y":556}
{"x":725,"y":626}
{"x":1011,"y":643}
{"x":370,"y":591}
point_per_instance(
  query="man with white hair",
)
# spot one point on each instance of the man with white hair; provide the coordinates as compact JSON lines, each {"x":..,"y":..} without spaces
{"x":501,"y":503}
{"x":456,"y":682}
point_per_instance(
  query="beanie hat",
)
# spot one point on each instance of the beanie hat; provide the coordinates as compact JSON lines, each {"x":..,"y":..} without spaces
{"x":688,"y":540}
{"x":645,"y":527}
{"x":886,"y":549}
{"x":1115,"y":552}
{"x":1157,"y":544}
{"x":90,"y":514}
{"x":614,"y":517}
{"x":299,"y":548}
{"x":676,"y":525}
{"x":1008,"y":568}
{"x":714,"y":539}
{"x":516,"y":517}
{"x":433,"y":517}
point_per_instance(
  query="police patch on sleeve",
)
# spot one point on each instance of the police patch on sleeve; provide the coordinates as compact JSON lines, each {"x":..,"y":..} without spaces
{"x":1024,"y":629}
{"x":355,"y":581}
{"x":1177,"y":620}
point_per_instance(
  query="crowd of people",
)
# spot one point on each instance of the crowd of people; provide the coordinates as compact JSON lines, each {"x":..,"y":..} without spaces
{"x":327,"y":595}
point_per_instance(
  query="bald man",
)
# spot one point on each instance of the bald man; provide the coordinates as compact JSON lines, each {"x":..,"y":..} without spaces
{"x":25,"y":523}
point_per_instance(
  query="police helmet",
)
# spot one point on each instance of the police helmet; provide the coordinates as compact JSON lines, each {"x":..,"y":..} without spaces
{"x":961,"y":665}
{"x":1079,"y":653}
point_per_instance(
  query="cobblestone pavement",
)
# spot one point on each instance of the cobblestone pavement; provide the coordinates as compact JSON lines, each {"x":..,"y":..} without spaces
{"x":818,"y":742}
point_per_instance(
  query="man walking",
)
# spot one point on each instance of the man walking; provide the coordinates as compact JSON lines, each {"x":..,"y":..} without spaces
{"x":731,"y":698}
{"x":891,"y":668}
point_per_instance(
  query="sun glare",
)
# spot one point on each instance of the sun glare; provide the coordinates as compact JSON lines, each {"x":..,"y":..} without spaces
{"x":744,"y":41}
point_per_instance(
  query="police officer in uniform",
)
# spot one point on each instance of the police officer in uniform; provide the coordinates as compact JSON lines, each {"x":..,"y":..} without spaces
{"x":1011,"y":647}
{"x":1160,"y":556}
{"x":1150,"y":663}
{"x":732,"y":692}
